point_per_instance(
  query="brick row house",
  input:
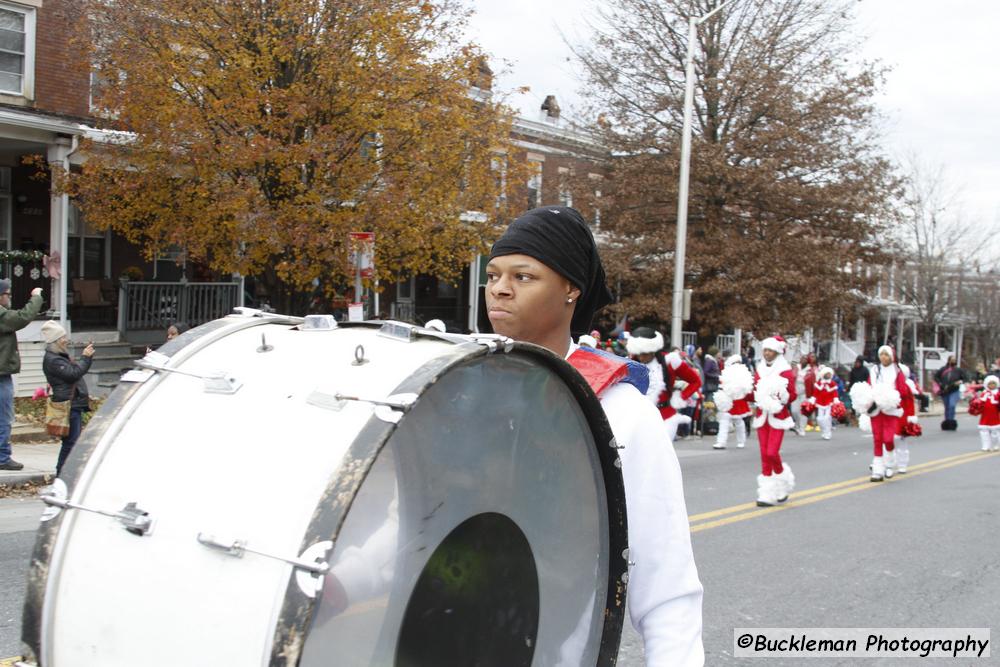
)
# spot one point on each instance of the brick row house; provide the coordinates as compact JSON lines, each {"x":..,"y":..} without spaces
{"x":45,"y":110}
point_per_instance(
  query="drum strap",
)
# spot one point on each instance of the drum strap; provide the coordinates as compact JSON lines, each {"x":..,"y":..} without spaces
{"x":602,"y":370}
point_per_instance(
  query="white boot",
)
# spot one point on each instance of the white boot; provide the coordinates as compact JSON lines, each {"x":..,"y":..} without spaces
{"x":785,"y":483}
{"x":984,"y":438}
{"x":766,"y":491}
{"x":889,"y":460}
{"x":902,"y":457}
{"x":741,"y":433}
{"x":878,"y":469}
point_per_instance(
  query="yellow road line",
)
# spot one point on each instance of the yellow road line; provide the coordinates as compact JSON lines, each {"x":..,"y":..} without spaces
{"x":826,"y":492}
{"x":820,"y":489}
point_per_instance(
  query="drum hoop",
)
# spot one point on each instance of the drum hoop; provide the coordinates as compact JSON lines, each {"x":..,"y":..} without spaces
{"x":47,"y":536}
{"x":298,"y":610}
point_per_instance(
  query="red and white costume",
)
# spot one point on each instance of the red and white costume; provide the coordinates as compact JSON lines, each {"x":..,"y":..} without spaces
{"x":732,"y":401}
{"x":824,"y":395}
{"x":674,"y":396}
{"x":774,"y":392}
{"x":889,"y":389}
{"x":989,"y":420}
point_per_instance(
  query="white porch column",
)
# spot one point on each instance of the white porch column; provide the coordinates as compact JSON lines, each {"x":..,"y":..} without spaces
{"x":58,"y":158}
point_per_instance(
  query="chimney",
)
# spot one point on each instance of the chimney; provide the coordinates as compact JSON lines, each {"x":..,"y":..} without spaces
{"x":550,"y":109}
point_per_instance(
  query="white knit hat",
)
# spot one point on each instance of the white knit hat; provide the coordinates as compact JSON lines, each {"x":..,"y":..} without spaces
{"x":51,"y":331}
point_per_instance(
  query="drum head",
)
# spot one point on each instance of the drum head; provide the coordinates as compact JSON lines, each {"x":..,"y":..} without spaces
{"x":481,"y":533}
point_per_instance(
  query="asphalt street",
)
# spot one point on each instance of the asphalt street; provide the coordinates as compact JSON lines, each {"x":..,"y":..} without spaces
{"x":921,"y":550}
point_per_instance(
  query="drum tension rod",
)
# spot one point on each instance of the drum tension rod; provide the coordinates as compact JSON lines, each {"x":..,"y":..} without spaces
{"x":216,"y":383}
{"x":236,"y":549}
{"x":135,"y":520}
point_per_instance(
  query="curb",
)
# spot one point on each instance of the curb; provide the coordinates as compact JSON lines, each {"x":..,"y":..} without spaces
{"x":33,"y":478}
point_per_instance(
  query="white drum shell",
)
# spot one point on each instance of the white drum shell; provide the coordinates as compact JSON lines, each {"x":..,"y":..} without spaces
{"x":249,"y":466}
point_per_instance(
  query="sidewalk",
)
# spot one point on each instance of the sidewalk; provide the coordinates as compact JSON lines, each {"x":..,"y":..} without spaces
{"x":36,"y":449}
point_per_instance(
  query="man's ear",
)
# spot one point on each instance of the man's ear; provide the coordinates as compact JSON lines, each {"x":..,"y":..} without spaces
{"x":573,"y":292}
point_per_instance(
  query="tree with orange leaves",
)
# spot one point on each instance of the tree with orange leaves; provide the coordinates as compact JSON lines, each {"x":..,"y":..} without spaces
{"x":260,"y":134}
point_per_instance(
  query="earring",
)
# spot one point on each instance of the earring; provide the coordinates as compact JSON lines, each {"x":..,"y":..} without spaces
{"x":569,"y":300}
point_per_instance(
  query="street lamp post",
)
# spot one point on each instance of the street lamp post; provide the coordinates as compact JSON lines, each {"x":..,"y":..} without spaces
{"x":677,"y":319}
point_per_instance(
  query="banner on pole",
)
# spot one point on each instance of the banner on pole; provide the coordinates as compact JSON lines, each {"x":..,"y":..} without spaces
{"x":362,"y":253}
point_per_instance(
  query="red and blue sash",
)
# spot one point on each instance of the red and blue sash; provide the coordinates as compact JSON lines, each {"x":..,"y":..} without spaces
{"x":602,"y":370}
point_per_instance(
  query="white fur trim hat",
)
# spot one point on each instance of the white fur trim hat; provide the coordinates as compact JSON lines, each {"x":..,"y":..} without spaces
{"x":51,"y":331}
{"x":825,"y":370}
{"x":776,"y":343}
{"x":638,"y":344}
{"x":587,"y":340}
{"x":735,"y":359}
{"x":887,"y":348}
{"x":989,"y":379}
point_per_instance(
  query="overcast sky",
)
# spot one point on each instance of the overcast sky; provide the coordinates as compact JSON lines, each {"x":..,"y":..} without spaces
{"x":941,"y":99}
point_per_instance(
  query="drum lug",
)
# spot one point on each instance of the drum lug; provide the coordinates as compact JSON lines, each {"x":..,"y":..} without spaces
{"x":310,"y":560}
{"x":614,"y":444}
{"x":133,"y":518}
{"x":494,"y":342}
{"x":397,"y":331}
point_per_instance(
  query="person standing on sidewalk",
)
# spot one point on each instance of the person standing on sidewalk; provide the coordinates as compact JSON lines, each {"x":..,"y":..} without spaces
{"x":950,"y":379}
{"x":11,"y":321}
{"x":65,"y":376}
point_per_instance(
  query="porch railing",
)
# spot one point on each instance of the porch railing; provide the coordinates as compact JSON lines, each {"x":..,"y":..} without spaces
{"x":145,"y":306}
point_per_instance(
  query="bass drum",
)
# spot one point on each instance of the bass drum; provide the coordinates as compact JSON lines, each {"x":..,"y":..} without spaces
{"x":285,"y":492}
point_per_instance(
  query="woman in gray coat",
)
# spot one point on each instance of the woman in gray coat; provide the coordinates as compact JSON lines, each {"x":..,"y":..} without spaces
{"x":65,"y":376}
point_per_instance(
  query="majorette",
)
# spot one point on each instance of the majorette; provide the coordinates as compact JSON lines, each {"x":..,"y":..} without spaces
{"x":732,"y":401}
{"x":824,"y":395}
{"x":679,"y":381}
{"x":989,"y":419}
{"x":880,"y":403}
{"x":774,"y":391}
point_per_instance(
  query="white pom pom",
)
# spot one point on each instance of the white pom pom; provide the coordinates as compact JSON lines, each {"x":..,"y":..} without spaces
{"x":865,"y":422}
{"x":885,"y":397}
{"x":768,"y":393}
{"x":736,"y":381}
{"x":676,"y":402}
{"x":861,"y":396}
{"x":723,"y":401}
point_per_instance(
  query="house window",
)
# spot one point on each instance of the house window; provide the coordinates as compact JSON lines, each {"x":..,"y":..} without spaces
{"x":565,"y":195}
{"x":88,"y":248}
{"x":17,"y":50}
{"x":535,"y":186}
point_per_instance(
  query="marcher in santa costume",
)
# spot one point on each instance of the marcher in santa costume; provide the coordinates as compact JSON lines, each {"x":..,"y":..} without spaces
{"x":882,"y":400}
{"x":824,"y":395}
{"x":643,"y":346}
{"x":732,"y":401}
{"x":989,"y":420}
{"x":672,"y":382}
{"x":774,"y":391}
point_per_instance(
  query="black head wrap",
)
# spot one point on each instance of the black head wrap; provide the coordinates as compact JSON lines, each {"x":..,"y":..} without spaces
{"x":559,"y":237}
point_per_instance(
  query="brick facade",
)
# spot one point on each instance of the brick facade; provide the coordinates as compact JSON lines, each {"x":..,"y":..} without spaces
{"x":62,"y":72}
